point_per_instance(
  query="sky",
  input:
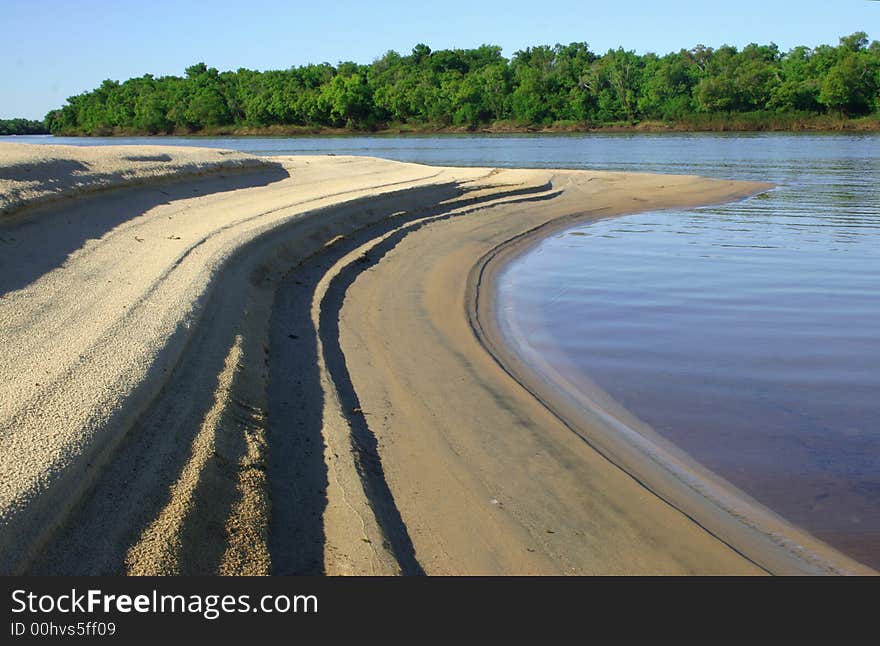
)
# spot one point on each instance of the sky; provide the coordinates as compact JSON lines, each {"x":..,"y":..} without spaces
{"x":53,"y":49}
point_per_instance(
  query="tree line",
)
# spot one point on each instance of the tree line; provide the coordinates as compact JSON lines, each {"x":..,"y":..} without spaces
{"x":543,"y":86}
{"x":22,"y":127}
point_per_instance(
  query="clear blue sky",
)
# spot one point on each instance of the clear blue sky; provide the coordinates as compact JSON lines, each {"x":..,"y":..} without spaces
{"x":52,"y":49}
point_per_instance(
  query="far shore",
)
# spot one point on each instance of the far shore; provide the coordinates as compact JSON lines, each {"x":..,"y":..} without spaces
{"x":743,"y":123}
{"x":222,"y":364}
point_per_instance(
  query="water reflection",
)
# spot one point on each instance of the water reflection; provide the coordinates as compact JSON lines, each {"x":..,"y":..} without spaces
{"x":747,"y":334}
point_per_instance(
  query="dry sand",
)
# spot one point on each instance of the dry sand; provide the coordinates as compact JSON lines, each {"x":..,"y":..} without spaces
{"x":31,"y":175}
{"x":293,"y":368}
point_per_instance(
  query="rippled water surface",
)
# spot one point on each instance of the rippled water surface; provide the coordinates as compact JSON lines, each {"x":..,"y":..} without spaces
{"x":748,"y":334}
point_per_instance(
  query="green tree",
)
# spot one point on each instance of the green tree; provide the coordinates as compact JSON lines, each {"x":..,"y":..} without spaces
{"x":538,"y":86}
{"x":623,"y":70}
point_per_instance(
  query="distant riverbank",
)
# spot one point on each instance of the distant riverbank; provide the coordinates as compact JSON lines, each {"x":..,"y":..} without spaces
{"x":749,"y":122}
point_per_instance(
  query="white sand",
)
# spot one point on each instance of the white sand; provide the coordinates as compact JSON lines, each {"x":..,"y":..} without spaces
{"x":31,"y":175}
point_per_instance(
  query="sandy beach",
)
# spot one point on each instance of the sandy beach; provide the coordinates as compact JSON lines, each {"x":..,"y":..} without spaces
{"x":221,"y":364}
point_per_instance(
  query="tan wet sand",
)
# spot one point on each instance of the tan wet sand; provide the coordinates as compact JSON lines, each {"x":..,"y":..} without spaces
{"x":292,"y":368}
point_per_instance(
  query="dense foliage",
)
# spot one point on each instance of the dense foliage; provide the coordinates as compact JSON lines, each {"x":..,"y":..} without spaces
{"x":539,"y":86}
{"x":22,"y":127}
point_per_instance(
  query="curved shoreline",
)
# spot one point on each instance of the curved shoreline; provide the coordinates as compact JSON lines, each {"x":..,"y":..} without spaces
{"x":488,"y":451}
{"x":286,"y":379}
{"x":747,"y":526}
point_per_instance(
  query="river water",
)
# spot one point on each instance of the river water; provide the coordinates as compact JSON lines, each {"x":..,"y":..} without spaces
{"x":748,"y":334}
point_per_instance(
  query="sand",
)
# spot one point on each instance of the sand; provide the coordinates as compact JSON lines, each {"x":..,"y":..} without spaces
{"x":31,"y":175}
{"x":214,"y":363}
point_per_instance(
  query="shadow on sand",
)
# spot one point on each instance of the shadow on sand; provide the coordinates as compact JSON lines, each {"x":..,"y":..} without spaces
{"x":297,"y":471}
{"x":134,"y":485}
{"x":36,"y":241}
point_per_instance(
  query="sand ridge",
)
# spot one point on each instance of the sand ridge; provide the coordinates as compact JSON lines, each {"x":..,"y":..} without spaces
{"x":274,"y":371}
{"x":32,"y":175}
